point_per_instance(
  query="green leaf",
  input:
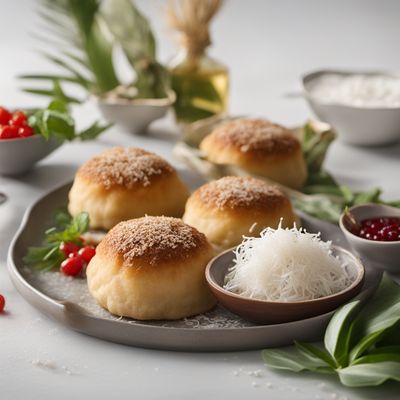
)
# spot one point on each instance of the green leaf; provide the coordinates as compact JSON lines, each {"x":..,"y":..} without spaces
{"x":50,"y":93}
{"x":308,"y":350}
{"x":62,"y":218}
{"x":80,"y":79}
{"x":322,"y":207}
{"x":67,"y":229}
{"x":93,"y":131}
{"x":49,"y":77}
{"x":292,"y":361}
{"x":43,"y":258}
{"x":131,"y":29}
{"x":316,"y":140}
{"x":338,"y":333}
{"x":381,"y":313}
{"x":390,"y":353}
{"x":369,"y":374}
{"x":72,"y":231}
{"x":50,"y":121}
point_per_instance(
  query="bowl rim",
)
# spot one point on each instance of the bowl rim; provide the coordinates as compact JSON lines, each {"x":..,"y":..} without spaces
{"x":359,"y":279}
{"x":309,"y":76}
{"x":160,"y":102}
{"x":354,"y":237}
{"x":35,"y":136}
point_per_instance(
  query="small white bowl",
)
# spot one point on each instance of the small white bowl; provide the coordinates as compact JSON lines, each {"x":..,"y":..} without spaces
{"x":364,"y":126}
{"x":19,"y":155}
{"x":383,"y":255}
{"x":133,"y":115}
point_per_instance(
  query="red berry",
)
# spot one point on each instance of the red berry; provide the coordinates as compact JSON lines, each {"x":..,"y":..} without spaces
{"x":2,"y":303}
{"x":9,"y":132}
{"x":25,"y":131}
{"x":5,"y":116}
{"x":69,"y":248}
{"x":18,"y":119}
{"x":72,"y":266}
{"x":87,"y":253}
{"x":385,"y":229}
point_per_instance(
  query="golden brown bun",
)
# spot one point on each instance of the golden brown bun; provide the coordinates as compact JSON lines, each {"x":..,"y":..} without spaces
{"x":228,"y":208}
{"x":124,"y":183}
{"x":260,"y":147}
{"x":152,"y":268}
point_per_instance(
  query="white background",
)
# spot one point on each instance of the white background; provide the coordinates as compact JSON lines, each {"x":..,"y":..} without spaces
{"x":267,"y":45}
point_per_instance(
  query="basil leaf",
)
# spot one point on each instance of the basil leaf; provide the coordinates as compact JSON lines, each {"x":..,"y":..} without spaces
{"x":291,"y":361}
{"x":369,"y":374}
{"x":381,"y":313}
{"x":338,"y":333}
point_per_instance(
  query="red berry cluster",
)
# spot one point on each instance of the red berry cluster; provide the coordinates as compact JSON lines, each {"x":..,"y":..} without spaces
{"x":2,"y":303}
{"x":384,"y":229}
{"x":77,"y":257}
{"x":14,"y":125}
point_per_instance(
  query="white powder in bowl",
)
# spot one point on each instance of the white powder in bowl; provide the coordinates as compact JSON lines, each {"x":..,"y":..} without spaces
{"x":359,"y":90}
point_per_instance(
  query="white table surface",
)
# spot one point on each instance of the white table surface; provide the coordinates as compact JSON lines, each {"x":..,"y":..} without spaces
{"x":268,"y":45}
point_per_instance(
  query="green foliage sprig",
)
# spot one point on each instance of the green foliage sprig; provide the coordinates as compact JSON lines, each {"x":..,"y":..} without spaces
{"x":85,"y":34}
{"x":67,"y":229}
{"x":327,"y":198}
{"x":361,"y":344}
{"x":56,"y":121}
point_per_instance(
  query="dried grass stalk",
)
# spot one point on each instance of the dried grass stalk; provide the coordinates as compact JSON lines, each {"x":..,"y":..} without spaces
{"x":191,"y":18}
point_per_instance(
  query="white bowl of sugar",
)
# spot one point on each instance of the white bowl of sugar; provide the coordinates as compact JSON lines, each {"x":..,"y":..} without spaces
{"x":364,"y":107}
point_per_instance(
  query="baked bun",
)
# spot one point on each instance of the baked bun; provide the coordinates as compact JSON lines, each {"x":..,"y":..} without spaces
{"x":124,"y":183}
{"x":152,"y":268}
{"x":260,"y":147}
{"x":228,"y":208}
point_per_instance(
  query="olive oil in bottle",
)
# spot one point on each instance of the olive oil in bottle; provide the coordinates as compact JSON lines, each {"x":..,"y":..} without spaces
{"x":201,"y":83}
{"x":201,"y":88}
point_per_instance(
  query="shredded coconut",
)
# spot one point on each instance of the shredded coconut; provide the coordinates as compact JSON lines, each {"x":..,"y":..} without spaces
{"x":125,"y":167}
{"x":240,"y":192}
{"x":286,"y":265}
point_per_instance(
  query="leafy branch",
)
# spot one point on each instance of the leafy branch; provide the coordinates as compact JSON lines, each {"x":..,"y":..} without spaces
{"x":361,"y":344}
{"x":89,"y":30}
{"x":327,"y":199}
{"x":67,"y":229}
{"x":56,"y":121}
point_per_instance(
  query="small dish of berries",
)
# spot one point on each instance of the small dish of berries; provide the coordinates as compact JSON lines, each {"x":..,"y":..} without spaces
{"x":14,"y":125}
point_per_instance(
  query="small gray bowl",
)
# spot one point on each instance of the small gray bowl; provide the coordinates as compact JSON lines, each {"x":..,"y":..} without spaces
{"x":19,"y":155}
{"x":364,"y":126}
{"x":382,"y":255}
{"x":135,"y":115}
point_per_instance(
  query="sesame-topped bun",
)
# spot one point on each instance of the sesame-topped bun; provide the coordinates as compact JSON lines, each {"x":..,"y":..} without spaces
{"x":228,"y":208}
{"x":260,"y":147}
{"x":152,"y":268}
{"x":124,"y":183}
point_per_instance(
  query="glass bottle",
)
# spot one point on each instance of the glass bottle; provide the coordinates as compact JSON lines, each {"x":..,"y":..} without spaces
{"x":201,"y":85}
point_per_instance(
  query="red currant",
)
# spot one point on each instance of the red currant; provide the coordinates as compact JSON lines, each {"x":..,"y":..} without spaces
{"x":25,"y":131}
{"x":9,"y":132}
{"x":2,"y":303}
{"x":69,"y":248}
{"x":87,"y":253}
{"x":5,"y":116}
{"x":18,"y":118}
{"x":386,"y":229}
{"x":72,"y":266}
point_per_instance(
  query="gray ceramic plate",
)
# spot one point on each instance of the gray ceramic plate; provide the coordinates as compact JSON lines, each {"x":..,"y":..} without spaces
{"x":67,"y":300}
